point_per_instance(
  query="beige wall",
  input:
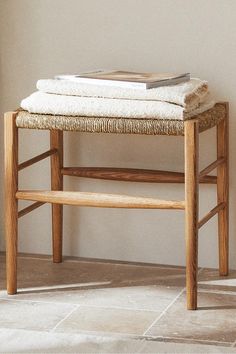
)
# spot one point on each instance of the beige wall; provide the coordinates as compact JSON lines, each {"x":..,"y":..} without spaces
{"x":41,"y":38}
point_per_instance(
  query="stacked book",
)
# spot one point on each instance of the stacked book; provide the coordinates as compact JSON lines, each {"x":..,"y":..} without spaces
{"x":103,"y":93}
{"x":126,"y":79}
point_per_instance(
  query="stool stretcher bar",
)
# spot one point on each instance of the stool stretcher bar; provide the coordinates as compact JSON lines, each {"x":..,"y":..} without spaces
{"x":211,"y":167}
{"x":131,"y":175}
{"x":101,"y":200}
{"x":30,"y":208}
{"x":211,"y":213}
{"x":37,"y":158}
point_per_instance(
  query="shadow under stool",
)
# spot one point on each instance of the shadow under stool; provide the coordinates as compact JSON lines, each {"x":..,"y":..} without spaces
{"x":189,"y":129}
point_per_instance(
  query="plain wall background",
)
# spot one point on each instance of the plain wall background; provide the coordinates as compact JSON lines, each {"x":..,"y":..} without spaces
{"x":41,"y":38}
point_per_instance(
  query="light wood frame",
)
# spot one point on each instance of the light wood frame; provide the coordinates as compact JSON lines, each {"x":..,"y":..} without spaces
{"x":57,"y":197}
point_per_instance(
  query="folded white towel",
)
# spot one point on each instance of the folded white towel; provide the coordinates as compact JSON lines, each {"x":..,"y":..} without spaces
{"x":188,"y":94}
{"x":46,"y":103}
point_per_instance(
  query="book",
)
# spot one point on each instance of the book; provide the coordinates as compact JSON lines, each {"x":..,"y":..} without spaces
{"x":127,"y":79}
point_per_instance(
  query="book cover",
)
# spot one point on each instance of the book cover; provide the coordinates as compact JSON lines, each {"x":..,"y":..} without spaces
{"x":127,"y":79}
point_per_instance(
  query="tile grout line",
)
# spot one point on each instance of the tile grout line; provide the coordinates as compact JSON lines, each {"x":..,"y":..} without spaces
{"x":172,"y":302}
{"x":61,"y":287}
{"x":161,"y":339}
{"x":134,"y":337}
{"x":63,"y":319}
{"x":216,"y":291}
{"x":128,"y":263}
{"x":155,"y":339}
{"x":79,"y":305}
{"x":164,"y":311}
{"x":39,"y":301}
{"x":131,"y":336}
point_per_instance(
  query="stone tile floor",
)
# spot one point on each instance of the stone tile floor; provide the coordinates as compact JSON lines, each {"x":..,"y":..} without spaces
{"x":89,"y":306}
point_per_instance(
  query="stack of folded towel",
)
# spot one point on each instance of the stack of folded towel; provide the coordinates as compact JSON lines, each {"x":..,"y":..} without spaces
{"x":62,"y":97}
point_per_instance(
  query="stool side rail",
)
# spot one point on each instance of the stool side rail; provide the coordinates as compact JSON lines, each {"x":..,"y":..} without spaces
{"x":98,"y":200}
{"x":132,"y":175}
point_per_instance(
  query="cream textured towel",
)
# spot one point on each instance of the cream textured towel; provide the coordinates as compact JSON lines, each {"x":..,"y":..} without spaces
{"x":188,"y":94}
{"x":46,"y":103}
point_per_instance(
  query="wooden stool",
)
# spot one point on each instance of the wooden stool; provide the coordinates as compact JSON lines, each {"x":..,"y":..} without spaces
{"x":190,"y":129}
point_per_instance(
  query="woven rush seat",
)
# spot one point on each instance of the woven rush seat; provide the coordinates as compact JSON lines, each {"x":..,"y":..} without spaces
{"x":119,"y":125}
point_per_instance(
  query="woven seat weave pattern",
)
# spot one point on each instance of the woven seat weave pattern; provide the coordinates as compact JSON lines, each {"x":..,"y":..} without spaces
{"x":207,"y":120}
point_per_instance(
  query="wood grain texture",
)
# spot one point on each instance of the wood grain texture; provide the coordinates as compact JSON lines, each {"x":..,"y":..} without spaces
{"x":56,"y":142}
{"x":191,"y":210}
{"x":11,"y":203}
{"x":35,"y":159}
{"x":131,"y":175}
{"x":99,"y":200}
{"x":223,"y":193}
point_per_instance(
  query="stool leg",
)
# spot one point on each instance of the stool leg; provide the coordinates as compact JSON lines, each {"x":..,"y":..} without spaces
{"x":56,"y":140}
{"x":223,"y":196}
{"x":11,"y":203}
{"x":191,"y":211}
